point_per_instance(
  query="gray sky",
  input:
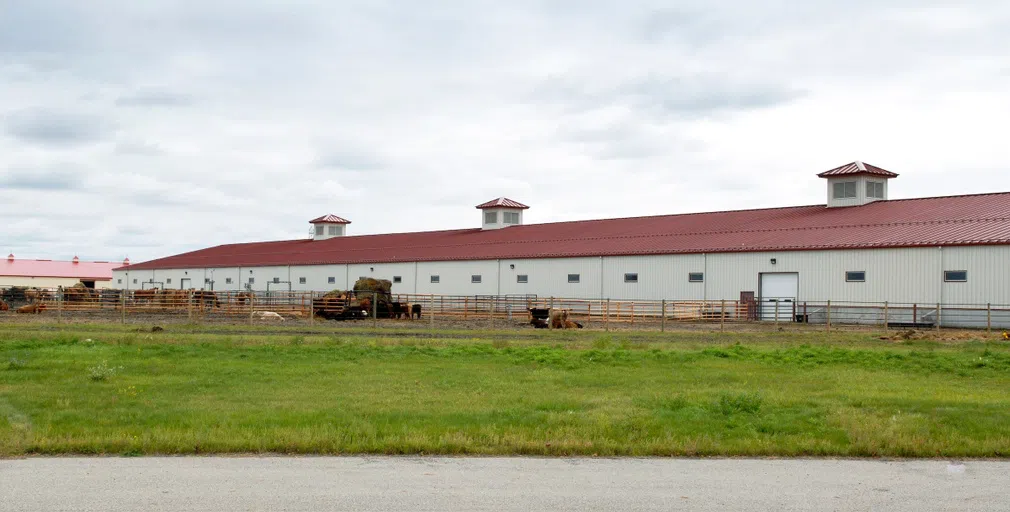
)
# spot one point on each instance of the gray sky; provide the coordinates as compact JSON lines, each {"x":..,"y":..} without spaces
{"x":151,"y":128}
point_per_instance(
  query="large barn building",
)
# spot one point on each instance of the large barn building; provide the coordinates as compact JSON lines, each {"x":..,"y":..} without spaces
{"x":859,"y":246}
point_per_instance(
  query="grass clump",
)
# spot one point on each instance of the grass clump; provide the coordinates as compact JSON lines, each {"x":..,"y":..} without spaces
{"x":739,"y":403}
{"x":102,"y":371}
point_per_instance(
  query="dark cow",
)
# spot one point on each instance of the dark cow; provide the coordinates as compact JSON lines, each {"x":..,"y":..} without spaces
{"x":415,"y":309}
{"x":538,"y":323}
{"x":206,"y":298}
{"x":399,"y":309}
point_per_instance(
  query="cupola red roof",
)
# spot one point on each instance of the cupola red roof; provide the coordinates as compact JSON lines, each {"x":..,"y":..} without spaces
{"x":502,"y":202}
{"x":857,"y":167}
{"x":329,"y":219}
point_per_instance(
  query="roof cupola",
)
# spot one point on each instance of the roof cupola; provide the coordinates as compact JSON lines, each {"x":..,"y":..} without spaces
{"x":856,"y":184}
{"x":328,"y":226}
{"x":501,"y":213}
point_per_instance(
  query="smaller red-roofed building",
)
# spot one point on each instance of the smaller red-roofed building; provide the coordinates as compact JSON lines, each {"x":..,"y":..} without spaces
{"x":35,"y":273}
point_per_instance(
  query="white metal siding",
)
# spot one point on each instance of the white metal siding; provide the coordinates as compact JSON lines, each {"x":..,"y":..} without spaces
{"x":549,"y":277}
{"x":895,"y":275}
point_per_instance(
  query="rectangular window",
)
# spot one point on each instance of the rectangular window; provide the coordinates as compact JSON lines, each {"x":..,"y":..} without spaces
{"x":397,"y":279}
{"x":277,"y":280}
{"x":252,"y":280}
{"x":227,"y":280}
{"x":301,"y":280}
{"x":334,"y":230}
{"x":696,"y":277}
{"x":855,"y":276}
{"x":510,"y":218}
{"x":875,"y":189}
{"x":573,"y":278}
{"x":522,"y":278}
{"x":475,"y":278}
{"x":955,"y":276}
{"x":490,"y":217}
{"x":319,"y":230}
{"x":119,"y":281}
{"x":206,"y":280}
{"x":331,"y":280}
{"x":434,"y":279}
{"x":630,"y":278}
{"x":168,"y":281}
{"x":845,"y":190}
{"x":134,"y":281}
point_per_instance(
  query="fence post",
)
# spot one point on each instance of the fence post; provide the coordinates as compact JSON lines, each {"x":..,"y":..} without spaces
{"x":312,"y":310}
{"x":722,"y":316}
{"x":59,"y":307}
{"x":776,"y":312}
{"x":938,"y":317}
{"x":490,"y":313}
{"x":806,"y":319}
{"x":466,"y":306}
{"x":122,"y":307}
{"x":189,"y":306}
{"x":606,"y":317}
{"x":375,"y":310}
{"x":589,"y":313}
{"x":915,"y":315}
{"x":632,"y":313}
{"x":829,"y":316}
{"x":886,"y":311}
{"x":988,"y":318}
{"x":431,"y":313}
{"x":662,"y":325}
{"x":252,"y":309}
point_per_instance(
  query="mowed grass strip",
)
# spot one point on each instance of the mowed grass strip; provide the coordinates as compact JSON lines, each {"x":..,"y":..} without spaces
{"x":579,"y":394}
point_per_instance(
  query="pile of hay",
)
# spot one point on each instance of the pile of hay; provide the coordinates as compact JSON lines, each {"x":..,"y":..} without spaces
{"x":382,"y":288}
{"x":335,"y":294}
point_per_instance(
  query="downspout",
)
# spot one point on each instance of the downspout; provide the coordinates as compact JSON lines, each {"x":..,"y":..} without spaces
{"x":498,"y":279}
{"x":415,"y":277}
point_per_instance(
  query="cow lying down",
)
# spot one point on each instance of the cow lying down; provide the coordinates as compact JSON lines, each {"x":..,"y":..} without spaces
{"x":267,"y":316}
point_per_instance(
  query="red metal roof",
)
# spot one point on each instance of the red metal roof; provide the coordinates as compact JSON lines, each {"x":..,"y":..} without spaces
{"x":502,"y":202}
{"x":89,"y":270}
{"x":330,"y":219}
{"x":958,"y":220}
{"x":857,"y":167}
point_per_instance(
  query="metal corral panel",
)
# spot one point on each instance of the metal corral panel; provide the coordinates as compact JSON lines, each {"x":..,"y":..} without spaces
{"x":988,"y":275}
{"x":549,"y":277}
{"x":455,"y":277}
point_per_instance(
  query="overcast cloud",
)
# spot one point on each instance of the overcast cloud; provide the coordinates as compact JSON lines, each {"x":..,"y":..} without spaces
{"x":151,"y":128}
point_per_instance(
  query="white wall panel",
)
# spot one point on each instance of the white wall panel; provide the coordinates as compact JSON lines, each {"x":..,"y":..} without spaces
{"x":317,"y":277}
{"x":549,"y":277}
{"x":454,"y":277}
{"x":988,"y":270}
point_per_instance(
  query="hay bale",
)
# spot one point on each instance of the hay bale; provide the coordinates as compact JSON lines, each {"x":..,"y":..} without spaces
{"x":382,"y":288}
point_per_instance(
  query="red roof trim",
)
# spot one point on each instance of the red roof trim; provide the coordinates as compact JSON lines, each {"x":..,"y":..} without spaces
{"x":502,"y":202}
{"x":329,"y":219}
{"x":857,"y":167}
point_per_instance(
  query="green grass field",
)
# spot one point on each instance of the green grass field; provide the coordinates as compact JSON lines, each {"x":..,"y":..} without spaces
{"x":108,"y":390}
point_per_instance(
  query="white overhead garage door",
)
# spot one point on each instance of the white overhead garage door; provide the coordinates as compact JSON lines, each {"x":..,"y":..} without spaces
{"x":778,"y":295}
